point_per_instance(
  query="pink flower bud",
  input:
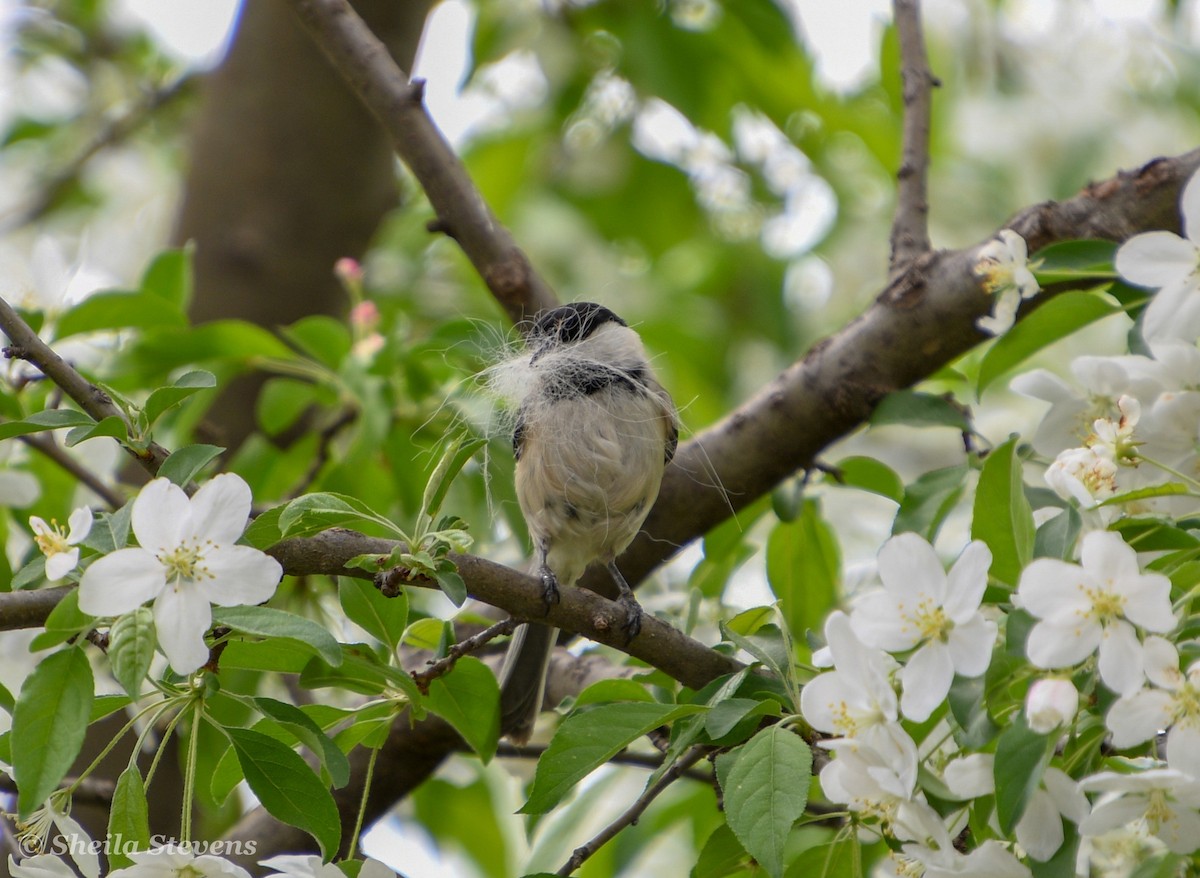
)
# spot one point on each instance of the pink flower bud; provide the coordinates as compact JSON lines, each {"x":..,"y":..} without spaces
{"x":1050,"y":703}
{"x":348,"y":270}
{"x":364,"y":316}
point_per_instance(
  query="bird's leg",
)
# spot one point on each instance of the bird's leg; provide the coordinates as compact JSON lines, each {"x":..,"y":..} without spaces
{"x":633,"y":610}
{"x":550,"y":593}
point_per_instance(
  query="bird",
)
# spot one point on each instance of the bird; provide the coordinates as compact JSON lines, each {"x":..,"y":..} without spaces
{"x":594,"y":432}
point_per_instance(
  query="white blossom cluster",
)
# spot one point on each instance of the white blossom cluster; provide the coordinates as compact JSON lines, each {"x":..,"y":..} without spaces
{"x":1128,"y":432}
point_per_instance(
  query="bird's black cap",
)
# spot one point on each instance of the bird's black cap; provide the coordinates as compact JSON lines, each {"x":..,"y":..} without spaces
{"x":571,"y":323}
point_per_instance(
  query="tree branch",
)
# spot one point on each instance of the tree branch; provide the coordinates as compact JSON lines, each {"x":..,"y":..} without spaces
{"x":923,"y":320}
{"x":910,"y":226}
{"x":91,"y":399}
{"x":631,"y":815}
{"x":396,"y":102}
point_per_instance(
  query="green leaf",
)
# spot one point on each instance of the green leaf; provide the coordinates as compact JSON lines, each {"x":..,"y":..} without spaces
{"x":928,"y":501}
{"x":281,"y":402}
{"x":871,"y":475}
{"x":1056,"y":537}
{"x":360,"y":670}
{"x":187,"y":384}
{"x":119,"y":310}
{"x":804,"y":568}
{"x":308,"y":733}
{"x":39,"y":422}
{"x":725,"y":716}
{"x":1002,"y":517}
{"x":7,"y":702}
{"x":112,"y":427}
{"x":968,"y":706}
{"x":263,"y":532}
{"x":721,"y":855}
{"x":1057,"y":318}
{"x":49,"y":723}
{"x":234,"y":340}
{"x":382,"y":617}
{"x":324,"y":339}
{"x":185,"y":463}
{"x":915,"y":409}
{"x":314,"y":513}
{"x":169,"y":276}
{"x":65,"y":621}
{"x":469,"y":699}
{"x":1074,"y":260}
{"x":131,"y":642}
{"x":110,"y":531}
{"x":1170,"y":489}
{"x":588,"y":739}
{"x":1021,"y":757}
{"x":287,"y":787}
{"x":128,"y":819}
{"x":454,"y":458}
{"x":269,"y":622}
{"x":766,"y":792}
{"x":451,"y":584}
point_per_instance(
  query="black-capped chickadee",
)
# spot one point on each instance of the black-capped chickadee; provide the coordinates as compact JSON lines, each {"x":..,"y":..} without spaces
{"x":594,"y":431}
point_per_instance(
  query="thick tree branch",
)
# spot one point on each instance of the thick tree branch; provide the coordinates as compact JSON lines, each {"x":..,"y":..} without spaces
{"x":923,"y":320}
{"x":910,"y":226}
{"x":91,"y":399}
{"x":385,"y":89}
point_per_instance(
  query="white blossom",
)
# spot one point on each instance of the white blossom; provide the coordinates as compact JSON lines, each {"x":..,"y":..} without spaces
{"x":178,"y":861}
{"x":1087,"y":475}
{"x":1040,"y":829}
{"x":187,"y":561}
{"x":55,"y":813}
{"x":1003,"y":267}
{"x":39,"y":866}
{"x":1170,"y":263}
{"x":1173,"y":704}
{"x":1164,"y":801}
{"x":921,"y":608}
{"x":1095,"y":605}
{"x":309,"y":866}
{"x":60,"y":547}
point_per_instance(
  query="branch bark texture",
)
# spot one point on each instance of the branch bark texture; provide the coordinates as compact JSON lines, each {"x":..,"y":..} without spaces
{"x":910,"y":227}
{"x":396,"y":102}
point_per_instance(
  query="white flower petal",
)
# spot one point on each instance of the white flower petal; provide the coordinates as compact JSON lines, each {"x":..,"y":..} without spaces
{"x":926,"y":680}
{"x":972,"y":776}
{"x":1121,"y":666}
{"x":1113,"y":814}
{"x":1148,"y":601}
{"x":1160,"y":320}
{"x":120,"y":582}
{"x":1155,"y":259}
{"x":160,"y":515}
{"x":181,"y":616}
{"x":1138,"y":717}
{"x":221,"y":508}
{"x":39,"y":866}
{"x":1183,"y":747}
{"x":1054,"y":645}
{"x":967,"y":580}
{"x":241,"y":575}
{"x":79,"y":844}
{"x":877,"y":621}
{"x":1048,"y":586}
{"x":60,"y":564}
{"x":1066,"y":795}
{"x":1189,"y":208}
{"x":1105,"y":555}
{"x":80,"y":524}
{"x":970,"y":645}
{"x":910,"y":569}
{"x":1162,"y":662}
{"x":1181,"y":830}
{"x":1040,"y":829}
{"x":39,"y":526}
{"x":374,"y":869}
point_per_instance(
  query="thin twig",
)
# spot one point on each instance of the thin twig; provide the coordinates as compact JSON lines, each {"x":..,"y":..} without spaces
{"x":634,"y":811}
{"x":653,"y":761}
{"x":44,"y":444}
{"x":385,"y":89}
{"x":110,"y":134}
{"x":95,"y":402}
{"x":324,"y":444}
{"x":910,"y":226}
{"x":443,"y":666}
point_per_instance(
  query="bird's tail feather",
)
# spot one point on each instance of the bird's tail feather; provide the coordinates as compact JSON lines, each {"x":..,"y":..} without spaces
{"x":523,"y":679}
